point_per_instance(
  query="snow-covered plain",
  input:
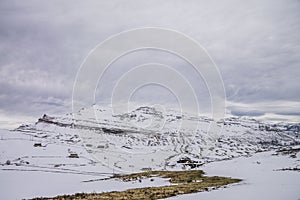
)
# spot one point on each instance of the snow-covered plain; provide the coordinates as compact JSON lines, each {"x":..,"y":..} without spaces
{"x":262,"y":178}
{"x":60,"y":155}
{"x":28,"y":171}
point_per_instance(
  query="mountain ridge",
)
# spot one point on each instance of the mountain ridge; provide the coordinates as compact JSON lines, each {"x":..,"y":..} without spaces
{"x":148,"y":138}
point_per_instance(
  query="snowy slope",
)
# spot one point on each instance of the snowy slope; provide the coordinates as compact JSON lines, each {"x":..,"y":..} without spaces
{"x":149,"y":138}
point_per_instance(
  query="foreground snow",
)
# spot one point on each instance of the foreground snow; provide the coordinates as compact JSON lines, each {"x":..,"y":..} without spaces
{"x":47,"y":171}
{"x":262,"y":178}
{"x":27,"y":171}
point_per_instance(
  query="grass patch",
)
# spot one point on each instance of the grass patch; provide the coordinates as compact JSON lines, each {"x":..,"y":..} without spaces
{"x":184,"y":182}
{"x":175,"y":176}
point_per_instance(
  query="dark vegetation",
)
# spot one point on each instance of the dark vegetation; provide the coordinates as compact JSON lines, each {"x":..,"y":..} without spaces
{"x":183,"y":182}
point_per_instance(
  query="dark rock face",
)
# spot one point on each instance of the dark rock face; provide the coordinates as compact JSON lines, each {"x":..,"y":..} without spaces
{"x":112,"y":130}
{"x":189,"y":162}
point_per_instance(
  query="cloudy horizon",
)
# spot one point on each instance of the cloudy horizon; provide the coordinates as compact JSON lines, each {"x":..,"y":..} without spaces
{"x":255,"y":44}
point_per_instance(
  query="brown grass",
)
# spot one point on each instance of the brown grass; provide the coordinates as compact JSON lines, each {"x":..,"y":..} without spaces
{"x":184,"y":182}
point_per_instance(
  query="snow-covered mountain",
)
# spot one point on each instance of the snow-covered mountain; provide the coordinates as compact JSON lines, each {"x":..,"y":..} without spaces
{"x":149,"y":138}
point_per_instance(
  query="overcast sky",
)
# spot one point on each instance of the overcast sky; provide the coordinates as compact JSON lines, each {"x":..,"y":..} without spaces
{"x":255,"y":44}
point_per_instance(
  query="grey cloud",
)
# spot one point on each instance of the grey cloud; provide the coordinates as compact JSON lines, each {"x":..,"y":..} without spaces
{"x":255,"y":44}
{"x":251,"y":113}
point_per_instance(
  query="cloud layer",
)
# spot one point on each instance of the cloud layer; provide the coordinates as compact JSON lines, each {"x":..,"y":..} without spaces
{"x":255,"y":44}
